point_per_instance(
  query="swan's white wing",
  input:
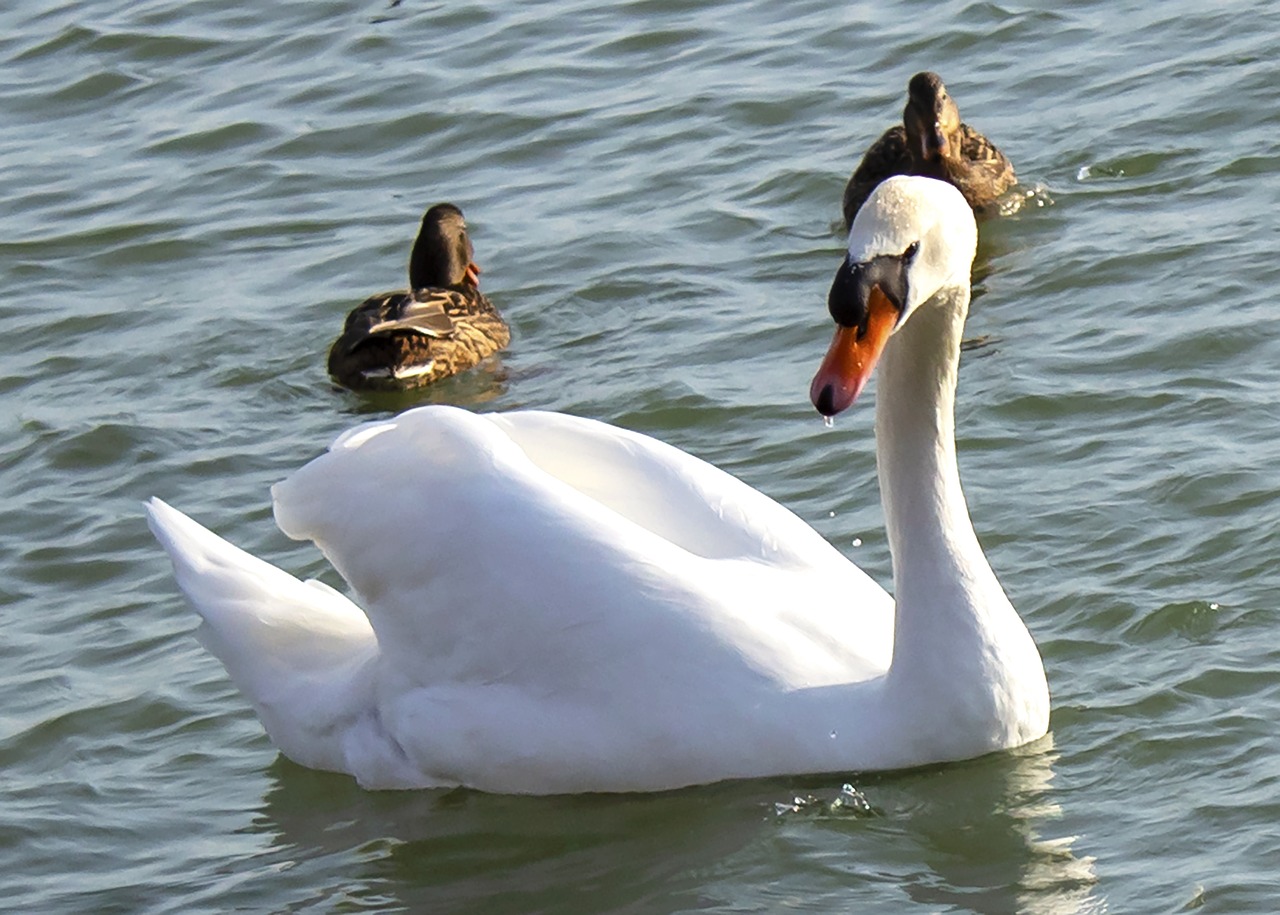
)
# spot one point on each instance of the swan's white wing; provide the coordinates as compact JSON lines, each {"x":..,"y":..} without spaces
{"x":695,"y":505}
{"x":560,"y":603}
{"x":573,"y":557}
{"x":299,"y":651}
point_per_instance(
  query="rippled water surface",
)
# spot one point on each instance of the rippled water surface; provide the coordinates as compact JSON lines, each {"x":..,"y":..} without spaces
{"x":195,"y":193}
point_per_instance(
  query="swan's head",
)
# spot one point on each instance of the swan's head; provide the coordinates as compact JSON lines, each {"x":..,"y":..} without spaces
{"x":912,"y":238}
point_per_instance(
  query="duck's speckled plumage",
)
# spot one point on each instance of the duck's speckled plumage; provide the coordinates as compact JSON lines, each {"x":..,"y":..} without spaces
{"x":932,"y":141}
{"x":438,"y":327}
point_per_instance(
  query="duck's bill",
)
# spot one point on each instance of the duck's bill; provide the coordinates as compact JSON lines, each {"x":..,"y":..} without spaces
{"x":934,"y":145}
{"x":852,"y":357}
{"x":473,"y":273}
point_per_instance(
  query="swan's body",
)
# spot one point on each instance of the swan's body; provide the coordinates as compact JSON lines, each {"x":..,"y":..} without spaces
{"x":553,"y":604}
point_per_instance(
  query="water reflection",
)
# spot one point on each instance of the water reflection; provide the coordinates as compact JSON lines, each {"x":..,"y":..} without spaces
{"x":463,"y":851}
{"x":475,"y":390}
{"x":985,"y":831}
{"x":974,"y":836}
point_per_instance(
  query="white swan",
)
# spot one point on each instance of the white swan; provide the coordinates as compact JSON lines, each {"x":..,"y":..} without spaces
{"x":553,"y":604}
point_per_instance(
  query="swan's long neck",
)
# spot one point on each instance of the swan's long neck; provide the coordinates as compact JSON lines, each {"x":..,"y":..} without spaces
{"x":930,"y":534}
{"x":960,"y":650}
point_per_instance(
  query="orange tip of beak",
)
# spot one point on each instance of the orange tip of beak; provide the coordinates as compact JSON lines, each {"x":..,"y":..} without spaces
{"x":852,"y":356}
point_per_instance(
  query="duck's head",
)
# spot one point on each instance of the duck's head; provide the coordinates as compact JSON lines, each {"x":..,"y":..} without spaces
{"x":442,"y":254}
{"x":931,"y":119}
{"x":913,"y":237}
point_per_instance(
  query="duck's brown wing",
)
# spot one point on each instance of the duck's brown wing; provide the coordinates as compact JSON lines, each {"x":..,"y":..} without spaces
{"x":886,"y":157}
{"x":426,"y":312}
{"x":398,"y":340}
{"x":388,"y":333}
{"x":985,"y":172}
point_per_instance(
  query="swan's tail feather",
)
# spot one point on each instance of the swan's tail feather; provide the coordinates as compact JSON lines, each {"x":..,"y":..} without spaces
{"x":298,"y":650}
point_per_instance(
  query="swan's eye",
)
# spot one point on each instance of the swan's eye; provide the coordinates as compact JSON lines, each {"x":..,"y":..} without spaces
{"x":910,"y":253}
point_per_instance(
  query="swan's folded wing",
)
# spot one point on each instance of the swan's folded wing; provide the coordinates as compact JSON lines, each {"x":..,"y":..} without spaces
{"x":297,"y":650}
{"x":783,"y":595}
{"x":433,"y":454}
{"x":549,"y":551}
{"x":689,"y":502}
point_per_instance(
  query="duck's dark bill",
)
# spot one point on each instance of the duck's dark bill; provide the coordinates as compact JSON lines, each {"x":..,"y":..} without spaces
{"x":852,"y":356}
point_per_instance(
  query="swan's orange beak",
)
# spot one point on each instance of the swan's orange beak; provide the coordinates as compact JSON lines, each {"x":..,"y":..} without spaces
{"x":852,"y":356}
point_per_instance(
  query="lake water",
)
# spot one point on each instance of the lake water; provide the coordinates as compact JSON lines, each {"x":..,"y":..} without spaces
{"x":196,"y":193}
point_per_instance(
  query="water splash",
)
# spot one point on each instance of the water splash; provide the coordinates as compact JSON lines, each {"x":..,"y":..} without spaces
{"x":849,"y":802}
{"x":1021,"y":197}
{"x":829,"y":421}
{"x":796,"y":805}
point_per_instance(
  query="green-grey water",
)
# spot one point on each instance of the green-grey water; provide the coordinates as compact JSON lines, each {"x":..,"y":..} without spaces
{"x":196,"y":193}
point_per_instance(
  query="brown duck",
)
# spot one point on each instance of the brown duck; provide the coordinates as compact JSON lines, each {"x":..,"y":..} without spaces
{"x":439,"y":326}
{"x":932,"y":141}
